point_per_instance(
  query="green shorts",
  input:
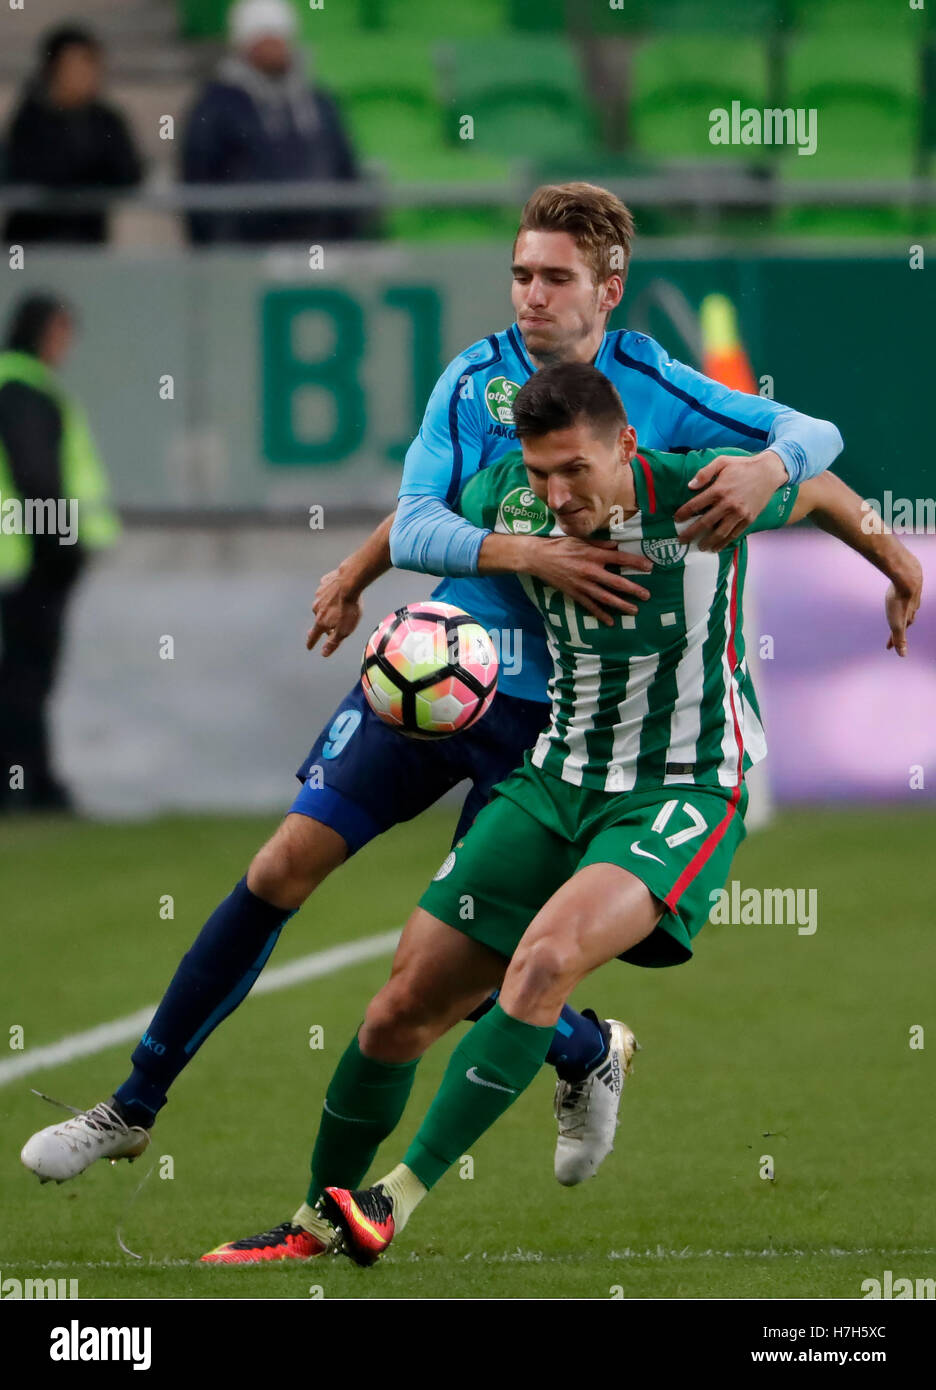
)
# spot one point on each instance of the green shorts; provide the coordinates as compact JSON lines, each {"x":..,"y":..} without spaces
{"x":537,"y":831}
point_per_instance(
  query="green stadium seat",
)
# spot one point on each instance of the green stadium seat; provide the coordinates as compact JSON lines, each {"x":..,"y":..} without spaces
{"x":207,"y":19}
{"x":843,"y":223}
{"x":363,"y":61}
{"x":530,"y":123}
{"x":427,"y":18}
{"x":700,"y":17}
{"x":438,"y":224}
{"x":643,"y":16}
{"x":387,"y":87}
{"x":332,"y":21}
{"x":865,"y":92}
{"x":540,"y":16}
{"x":853,"y":18}
{"x":678,"y":81}
{"x":474,"y":68}
{"x":430,"y":19}
{"x":202,"y":19}
{"x":580,"y":17}
{"x":526,"y":96}
{"x":928,"y":96}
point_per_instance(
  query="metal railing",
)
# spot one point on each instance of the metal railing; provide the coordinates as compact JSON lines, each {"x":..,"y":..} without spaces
{"x":693,"y":186}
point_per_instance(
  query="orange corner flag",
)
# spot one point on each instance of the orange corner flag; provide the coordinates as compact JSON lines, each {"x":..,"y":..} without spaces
{"x":723,"y":356}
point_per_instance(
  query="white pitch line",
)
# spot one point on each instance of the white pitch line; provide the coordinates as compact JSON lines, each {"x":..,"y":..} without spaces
{"x":129,"y":1028}
{"x":506,"y":1257}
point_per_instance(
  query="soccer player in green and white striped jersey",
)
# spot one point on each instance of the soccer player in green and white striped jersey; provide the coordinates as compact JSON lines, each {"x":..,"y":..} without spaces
{"x":609,"y":838}
{"x":655,"y":699}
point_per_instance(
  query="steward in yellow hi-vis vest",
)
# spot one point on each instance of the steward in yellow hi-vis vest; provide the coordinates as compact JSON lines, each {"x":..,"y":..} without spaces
{"x":54,"y":510}
{"x":83,"y":481}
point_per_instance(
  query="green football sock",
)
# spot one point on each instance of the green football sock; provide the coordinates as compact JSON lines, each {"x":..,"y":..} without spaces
{"x":363,"y":1104}
{"x":489,"y":1068}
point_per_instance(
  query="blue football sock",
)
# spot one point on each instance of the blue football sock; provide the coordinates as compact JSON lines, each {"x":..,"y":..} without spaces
{"x":213,"y":977}
{"x":578,"y":1044}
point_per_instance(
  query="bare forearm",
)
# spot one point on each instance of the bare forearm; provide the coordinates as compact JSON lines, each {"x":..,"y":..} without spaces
{"x":369,"y":561}
{"x":506,"y":555}
{"x":837,"y":509}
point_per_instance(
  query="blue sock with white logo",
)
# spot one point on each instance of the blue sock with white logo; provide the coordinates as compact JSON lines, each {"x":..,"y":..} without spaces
{"x":578,"y":1044}
{"x":213,"y":977}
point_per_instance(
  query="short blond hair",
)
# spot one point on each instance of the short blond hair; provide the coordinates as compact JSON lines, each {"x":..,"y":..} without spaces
{"x":596,"y":220}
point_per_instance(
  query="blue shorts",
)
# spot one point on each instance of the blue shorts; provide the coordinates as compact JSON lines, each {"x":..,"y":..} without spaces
{"x":369,"y":777}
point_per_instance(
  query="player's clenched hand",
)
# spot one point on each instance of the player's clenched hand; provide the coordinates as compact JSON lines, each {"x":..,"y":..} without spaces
{"x":582,"y":569}
{"x":900,"y":606}
{"x":732,"y":491}
{"x":337,"y":612}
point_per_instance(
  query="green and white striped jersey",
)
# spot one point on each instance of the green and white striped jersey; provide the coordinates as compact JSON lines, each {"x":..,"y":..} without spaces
{"x":663,"y":697}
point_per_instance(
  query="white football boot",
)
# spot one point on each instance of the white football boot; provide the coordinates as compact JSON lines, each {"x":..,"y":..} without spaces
{"x":64,"y":1150}
{"x":587,"y":1110}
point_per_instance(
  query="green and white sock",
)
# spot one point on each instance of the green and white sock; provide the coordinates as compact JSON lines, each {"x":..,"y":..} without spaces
{"x":308,"y":1218}
{"x":405,"y":1192}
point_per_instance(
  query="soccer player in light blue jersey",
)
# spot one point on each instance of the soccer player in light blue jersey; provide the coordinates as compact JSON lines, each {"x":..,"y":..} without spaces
{"x":569,"y":267}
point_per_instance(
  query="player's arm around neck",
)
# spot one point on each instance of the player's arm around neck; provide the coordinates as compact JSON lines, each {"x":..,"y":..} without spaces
{"x":579,"y":568}
{"x":836,"y":508}
{"x":731,"y":491}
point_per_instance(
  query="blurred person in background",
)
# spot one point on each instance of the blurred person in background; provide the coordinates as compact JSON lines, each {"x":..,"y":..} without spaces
{"x":260,"y":120}
{"x":64,"y":137}
{"x":47,"y":454}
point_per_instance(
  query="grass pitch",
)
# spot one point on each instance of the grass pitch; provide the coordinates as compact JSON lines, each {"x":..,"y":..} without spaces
{"x":768,"y":1043}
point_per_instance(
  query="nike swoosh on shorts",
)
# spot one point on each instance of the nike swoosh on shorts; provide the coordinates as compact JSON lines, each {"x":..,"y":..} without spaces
{"x":644,"y":853}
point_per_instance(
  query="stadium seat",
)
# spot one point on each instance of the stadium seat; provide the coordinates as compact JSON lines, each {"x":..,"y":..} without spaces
{"x":866,"y":95}
{"x":331,"y":21}
{"x":459,"y":225}
{"x":868,"y":113}
{"x":207,"y":19}
{"x":700,"y":17}
{"x":430,"y":19}
{"x":678,"y":81}
{"x":526,"y":96}
{"x":579,"y":16}
{"x":584,"y":17}
{"x":438,"y":222}
{"x":202,"y":19}
{"x":847,"y":18}
{"x":387,"y":87}
{"x":844,"y":223}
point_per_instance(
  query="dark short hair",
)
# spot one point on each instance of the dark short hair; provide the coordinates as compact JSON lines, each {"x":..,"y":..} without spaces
{"x":29,"y":320}
{"x":55,"y":41}
{"x":557,"y":397}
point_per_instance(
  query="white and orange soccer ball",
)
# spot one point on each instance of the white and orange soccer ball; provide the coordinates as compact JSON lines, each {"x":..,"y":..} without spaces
{"x":429,"y":670}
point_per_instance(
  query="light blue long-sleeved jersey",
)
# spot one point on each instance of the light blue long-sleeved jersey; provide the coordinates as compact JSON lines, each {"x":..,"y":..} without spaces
{"x":468,"y":424}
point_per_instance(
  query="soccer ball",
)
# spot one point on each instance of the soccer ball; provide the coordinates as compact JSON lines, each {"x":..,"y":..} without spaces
{"x":429,"y":670}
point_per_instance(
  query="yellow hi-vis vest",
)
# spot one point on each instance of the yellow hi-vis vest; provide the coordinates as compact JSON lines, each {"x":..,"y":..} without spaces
{"x":83,"y":476}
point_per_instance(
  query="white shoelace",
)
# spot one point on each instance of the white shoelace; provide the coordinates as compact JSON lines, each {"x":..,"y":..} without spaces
{"x":96,"y":1125}
{"x":571,"y":1107}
